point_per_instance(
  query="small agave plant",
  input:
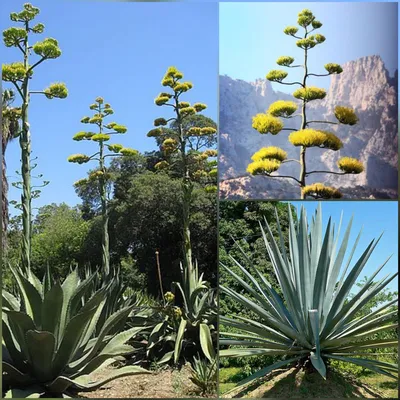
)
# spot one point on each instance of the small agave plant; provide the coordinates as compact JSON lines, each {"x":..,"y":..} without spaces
{"x":50,"y":348}
{"x":314,"y":319}
{"x":193,"y":325}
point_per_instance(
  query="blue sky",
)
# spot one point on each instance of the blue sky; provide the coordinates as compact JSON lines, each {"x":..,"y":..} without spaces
{"x":252,"y":38}
{"x":375,"y":217}
{"x":119,"y":51}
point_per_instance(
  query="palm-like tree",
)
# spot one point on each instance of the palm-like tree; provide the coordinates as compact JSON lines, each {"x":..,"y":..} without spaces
{"x":9,"y":130}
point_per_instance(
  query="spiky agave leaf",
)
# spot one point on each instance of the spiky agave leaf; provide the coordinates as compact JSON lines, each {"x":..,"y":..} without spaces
{"x":314,"y":318}
{"x":50,"y":340}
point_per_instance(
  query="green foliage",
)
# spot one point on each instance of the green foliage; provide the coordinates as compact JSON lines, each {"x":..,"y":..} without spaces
{"x":204,"y":375}
{"x":49,"y":342}
{"x":239,"y":229}
{"x":312,"y":320}
{"x":59,"y":236}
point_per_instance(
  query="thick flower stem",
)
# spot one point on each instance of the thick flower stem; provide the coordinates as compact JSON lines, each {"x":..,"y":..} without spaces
{"x":302,"y":160}
{"x":187,"y":189}
{"x":25,"y":143}
{"x":105,"y":246}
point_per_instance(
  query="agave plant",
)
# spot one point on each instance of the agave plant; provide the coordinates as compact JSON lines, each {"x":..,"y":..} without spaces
{"x":314,"y":319}
{"x":204,"y":375}
{"x":180,"y":329}
{"x":199,"y":311}
{"x":49,"y":341}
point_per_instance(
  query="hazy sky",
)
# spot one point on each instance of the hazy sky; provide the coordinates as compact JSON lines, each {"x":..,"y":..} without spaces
{"x":119,"y":51}
{"x":252,"y":38}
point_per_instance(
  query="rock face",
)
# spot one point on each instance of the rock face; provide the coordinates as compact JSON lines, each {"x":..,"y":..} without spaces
{"x":364,"y":85}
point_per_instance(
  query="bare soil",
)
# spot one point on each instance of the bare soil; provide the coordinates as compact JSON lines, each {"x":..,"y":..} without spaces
{"x":165,"y":383}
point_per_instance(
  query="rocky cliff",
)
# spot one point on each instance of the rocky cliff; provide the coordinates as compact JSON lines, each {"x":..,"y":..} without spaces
{"x":364,"y":85}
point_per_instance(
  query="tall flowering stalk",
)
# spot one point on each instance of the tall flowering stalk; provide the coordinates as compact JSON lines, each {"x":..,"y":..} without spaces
{"x":268,"y":159}
{"x":188,"y":146}
{"x":101,"y":175}
{"x":19,"y":75}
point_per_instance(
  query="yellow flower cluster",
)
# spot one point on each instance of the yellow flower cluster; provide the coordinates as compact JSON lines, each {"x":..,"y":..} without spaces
{"x":169,"y":145}
{"x":315,"y":138}
{"x":271,"y":152}
{"x":263,"y":166}
{"x":96,"y":119}
{"x":350,"y":165}
{"x":265,"y":123}
{"x":309,"y":93}
{"x":183,"y":104}
{"x":100,"y":137}
{"x":290,"y":30}
{"x":346,"y":115}
{"x":169,"y":297}
{"x":85,"y":120}
{"x":187,"y":111}
{"x":333,"y":68}
{"x":79,"y":136}
{"x":161,"y":165}
{"x":211,"y":153}
{"x":14,"y":72}
{"x":282,"y":108}
{"x":48,"y":48}
{"x":13,"y":36}
{"x":27,"y":14}
{"x":56,"y":90}
{"x":208,"y":130}
{"x":307,"y":43}
{"x":120,"y":128}
{"x":199,"y":107}
{"x":78,"y":158}
{"x":162,"y":99}
{"x":285,"y":61}
{"x":125,"y":151}
{"x":182,"y":87}
{"x":154,"y":132}
{"x":160,"y":122}
{"x":276,"y":75}
{"x":320,"y":191}
{"x":305,"y":18}
{"x":116,"y":148}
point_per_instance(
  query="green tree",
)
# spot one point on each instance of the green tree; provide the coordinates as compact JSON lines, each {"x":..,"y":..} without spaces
{"x":184,"y":144}
{"x":19,"y":75}
{"x":101,"y":174}
{"x":268,"y":159}
{"x":146,"y":217}
{"x":59,"y":237}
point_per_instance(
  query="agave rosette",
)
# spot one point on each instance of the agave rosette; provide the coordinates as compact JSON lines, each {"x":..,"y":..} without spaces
{"x":50,"y":345}
{"x":315,"y":318}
